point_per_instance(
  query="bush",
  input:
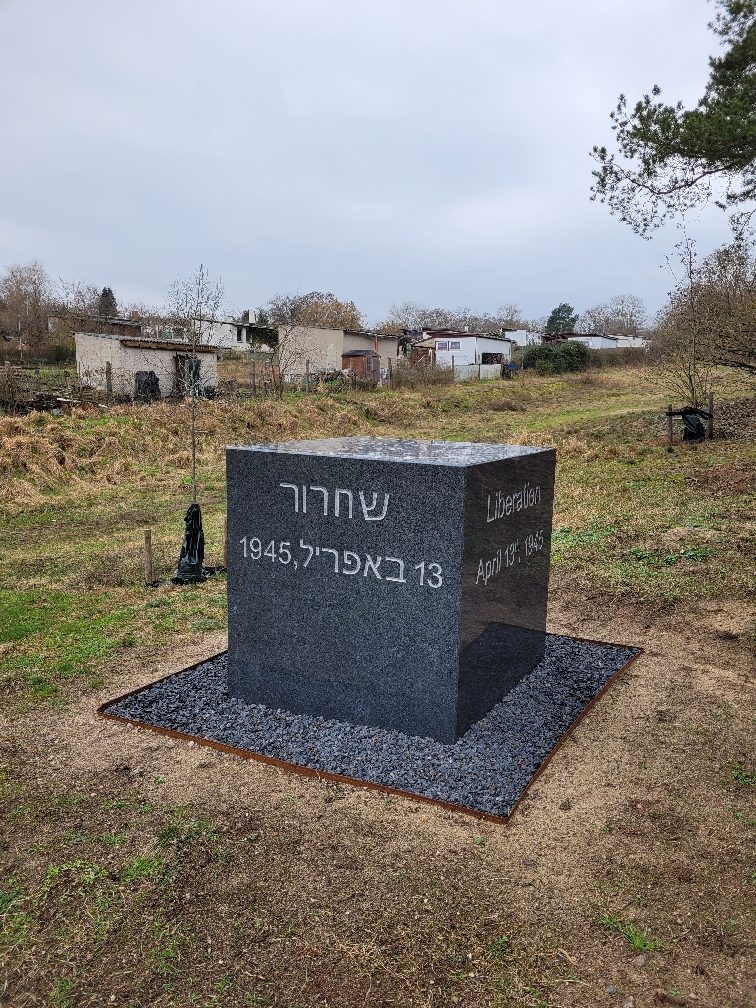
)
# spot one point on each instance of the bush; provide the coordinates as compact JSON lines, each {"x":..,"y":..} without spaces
{"x":619,"y":357}
{"x":405,"y":374}
{"x":575,"y":355}
{"x":553,"y":358}
{"x":58,"y":353}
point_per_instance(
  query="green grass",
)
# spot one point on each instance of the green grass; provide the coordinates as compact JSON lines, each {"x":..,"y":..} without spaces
{"x":142,"y":867}
{"x":631,"y":520}
{"x":637,"y":938}
{"x":743,"y":777}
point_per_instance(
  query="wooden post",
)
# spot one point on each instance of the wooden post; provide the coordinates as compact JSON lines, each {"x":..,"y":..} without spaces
{"x":109,"y":378}
{"x":711,"y":415}
{"x":254,"y":378}
{"x":478,"y":371}
{"x":391,"y":374}
{"x":307,"y":376}
{"x":452,"y":369}
{"x":669,"y":427}
{"x":68,"y":384}
{"x":225,"y":540}
{"x":149,"y":566}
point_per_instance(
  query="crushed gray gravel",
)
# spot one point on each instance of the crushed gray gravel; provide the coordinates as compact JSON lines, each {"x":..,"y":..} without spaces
{"x":487,"y":770}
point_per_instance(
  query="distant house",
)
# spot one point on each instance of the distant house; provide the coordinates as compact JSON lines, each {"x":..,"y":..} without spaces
{"x":321,"y":347}
{"x":466,"y":348}
{"x":523,"y":337}
{"x":253,"y":336}
{"x":605,"y":341}
{"x":63,"y":326}
{"x":110,"y":362}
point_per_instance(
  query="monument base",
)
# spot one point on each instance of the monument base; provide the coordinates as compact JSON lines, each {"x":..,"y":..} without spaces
{"x":485,"y":772}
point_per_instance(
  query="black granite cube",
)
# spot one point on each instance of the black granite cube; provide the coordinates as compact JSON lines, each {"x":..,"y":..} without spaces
{"x":387,"y":582}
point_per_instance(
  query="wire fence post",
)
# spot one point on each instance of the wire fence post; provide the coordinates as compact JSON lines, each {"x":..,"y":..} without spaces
{"x":669,"y":427}
{"x":149,"y":563}
{"x":711,"y":415}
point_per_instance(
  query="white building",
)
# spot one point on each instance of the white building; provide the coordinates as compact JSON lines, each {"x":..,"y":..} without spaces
{"x":636,"y":342}
{"x":214,"y":332}
{"x":320,"y":348}
{"x":606,"y":341}
{"x":109,"y":362}
{"x":523,"y":337}
{"x":470,"y":348}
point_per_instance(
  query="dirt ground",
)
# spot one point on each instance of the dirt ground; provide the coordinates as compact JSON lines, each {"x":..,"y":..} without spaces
{"x":623,"y":879}
{"x":143,"y":871}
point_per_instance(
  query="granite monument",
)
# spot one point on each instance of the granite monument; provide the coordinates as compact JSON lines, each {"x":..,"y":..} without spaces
{"x":387,"y":582}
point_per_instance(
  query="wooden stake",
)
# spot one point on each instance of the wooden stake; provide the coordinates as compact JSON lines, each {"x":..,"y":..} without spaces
{"x":254,"y":379}
{"x":307,"y":376}
{"x":391,"y":374}
{"x":149,"y":567}
{"x":109,"y":378}
{"x":711,"y":415}
{"x":669,"y":427}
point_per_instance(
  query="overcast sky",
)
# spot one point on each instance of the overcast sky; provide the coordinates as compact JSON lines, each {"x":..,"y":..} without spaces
{"x":384,"y":150}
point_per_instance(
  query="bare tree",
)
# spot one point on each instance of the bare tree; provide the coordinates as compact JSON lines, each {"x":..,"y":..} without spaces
{"x":194,"y":304}
{"x":313,"y":309}
{"x":711,"y":313}
{"x":623,"y":315}
{"x":293,"y":351}
{"x":684,"y":369}
{"x":76,"y":298}
{"x":413,"y":316}
{"x":26,"y":291}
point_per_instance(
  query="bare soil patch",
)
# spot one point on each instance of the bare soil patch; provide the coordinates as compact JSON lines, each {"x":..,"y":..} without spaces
{"x":276,"y":890}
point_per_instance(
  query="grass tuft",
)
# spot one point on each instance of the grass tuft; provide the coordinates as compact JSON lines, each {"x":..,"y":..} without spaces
{"x":637,"y":938}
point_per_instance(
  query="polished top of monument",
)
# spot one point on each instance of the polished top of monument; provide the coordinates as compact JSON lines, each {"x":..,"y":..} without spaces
{"x":387,"y":449}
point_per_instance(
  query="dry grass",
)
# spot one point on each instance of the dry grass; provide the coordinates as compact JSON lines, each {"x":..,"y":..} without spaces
{"x":142,"y":871}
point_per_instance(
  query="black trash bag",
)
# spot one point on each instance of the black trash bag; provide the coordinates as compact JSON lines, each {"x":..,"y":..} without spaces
{"x":147,"y":386}
{"x":190,"y":566}
{"x":693,"y":429}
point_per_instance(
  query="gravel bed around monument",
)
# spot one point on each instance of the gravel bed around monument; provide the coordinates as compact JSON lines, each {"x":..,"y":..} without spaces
{"x":486,"y":771}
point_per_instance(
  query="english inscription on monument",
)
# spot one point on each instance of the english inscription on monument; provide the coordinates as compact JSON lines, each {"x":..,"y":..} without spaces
{"x":387,"y":582}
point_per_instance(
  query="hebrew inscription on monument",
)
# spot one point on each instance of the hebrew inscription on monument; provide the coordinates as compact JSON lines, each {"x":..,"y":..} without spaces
{"x":387,"y":582}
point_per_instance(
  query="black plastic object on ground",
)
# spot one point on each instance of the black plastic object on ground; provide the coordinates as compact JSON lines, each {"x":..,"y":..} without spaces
{"x":190,"y":566}
{"x":693,"y":429}
{"x":147,"y":386}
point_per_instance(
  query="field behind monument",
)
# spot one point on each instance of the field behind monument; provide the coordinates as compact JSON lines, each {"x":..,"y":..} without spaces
{"x":141,"y":871}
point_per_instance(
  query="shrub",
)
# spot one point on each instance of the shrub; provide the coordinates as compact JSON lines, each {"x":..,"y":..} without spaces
{"x":405,"y":374}
{"x":575,"y":355}
{"x":553,"y":358}
{"x":619,"y":357}
{"x":58,"y":353}
{"x":535,"y":354}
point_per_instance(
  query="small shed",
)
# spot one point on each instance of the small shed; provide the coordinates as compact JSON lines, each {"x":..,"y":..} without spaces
{"x":110,"y":363}
{"x":472,"y":348}
{"x":364,"y":364}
